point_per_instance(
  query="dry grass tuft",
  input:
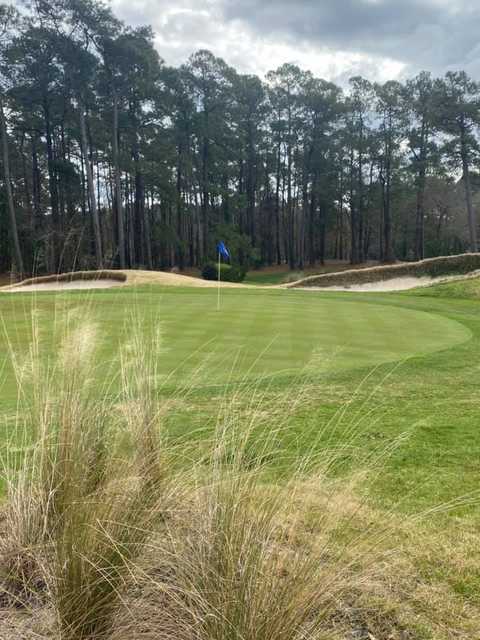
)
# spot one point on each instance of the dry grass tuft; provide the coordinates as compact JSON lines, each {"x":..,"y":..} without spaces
{"x":80,"y":506}
{"x":254,"y":560}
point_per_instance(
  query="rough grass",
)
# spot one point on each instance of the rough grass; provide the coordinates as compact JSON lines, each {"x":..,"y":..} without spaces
{"x":466,"y":289}
{"x":398,"y":589}
{"x":431,"y":267}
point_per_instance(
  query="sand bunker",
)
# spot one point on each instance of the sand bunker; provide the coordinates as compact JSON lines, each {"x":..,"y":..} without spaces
{"x":60,"y":286}
{"x":163,"y":278}
{"x":394,"y":284}
{"x":132,"y":278}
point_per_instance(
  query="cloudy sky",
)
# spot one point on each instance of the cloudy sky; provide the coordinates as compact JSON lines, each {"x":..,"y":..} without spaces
{"x":380,"y":39}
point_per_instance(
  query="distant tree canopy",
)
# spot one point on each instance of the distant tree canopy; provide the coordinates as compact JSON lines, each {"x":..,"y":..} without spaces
{"x":110,"y":158}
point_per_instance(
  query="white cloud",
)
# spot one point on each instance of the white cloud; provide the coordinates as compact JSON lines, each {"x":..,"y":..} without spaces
{"x":335,"y":39}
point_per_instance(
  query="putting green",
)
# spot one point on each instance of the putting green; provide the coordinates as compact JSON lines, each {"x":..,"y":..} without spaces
{"x":257,"y":332}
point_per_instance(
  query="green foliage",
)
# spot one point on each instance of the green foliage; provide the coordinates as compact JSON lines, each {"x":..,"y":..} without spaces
{"x":238,"y":244}
{"x":210,"y":271}
{"x":228,"y":273}
{"x":236,"y":273}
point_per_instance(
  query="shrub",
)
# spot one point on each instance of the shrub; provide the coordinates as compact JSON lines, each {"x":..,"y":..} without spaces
{"x":228,"y":273}
{"x":210,"y":271}
{"x":239,"y":244}
{"x":236,"y":274}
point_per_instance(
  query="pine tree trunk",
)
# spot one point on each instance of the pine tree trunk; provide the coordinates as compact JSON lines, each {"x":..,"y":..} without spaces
{"x":179,"y":203}
{"x":311,"y":224}
{"x":360,"y":198}
{"x":36,"y":186}
{"x":388,"y":255}
{"x":205,"y":189}
{"x":120,"y":217}
{"x":8,"y":188}
{"x":420,"y":212}
{"x":251,"y":185}
{"x":354,"y":234}
{"x":420,"y":217}
{"x":92,"y":200}
{"x":322,"y":235}
{"x":472,"y":223}
{"x":290,"y":216}
{"x":278,"y":244}
{"x":53,"y":186}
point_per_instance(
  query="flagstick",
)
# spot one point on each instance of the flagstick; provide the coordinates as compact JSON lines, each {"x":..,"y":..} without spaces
{"x":218,"y":285}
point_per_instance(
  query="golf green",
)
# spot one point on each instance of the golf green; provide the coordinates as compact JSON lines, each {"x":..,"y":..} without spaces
{"x":256,"y":332}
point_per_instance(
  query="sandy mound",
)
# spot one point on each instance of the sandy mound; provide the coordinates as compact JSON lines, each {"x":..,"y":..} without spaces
{"x":172,"y":279}
{"x":132,"y":278}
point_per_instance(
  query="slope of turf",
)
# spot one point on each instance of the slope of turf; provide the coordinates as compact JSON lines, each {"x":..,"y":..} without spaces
{"x":466,"y":289}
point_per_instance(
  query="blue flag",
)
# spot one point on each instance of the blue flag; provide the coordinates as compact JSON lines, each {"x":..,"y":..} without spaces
{"x":223,"y":251}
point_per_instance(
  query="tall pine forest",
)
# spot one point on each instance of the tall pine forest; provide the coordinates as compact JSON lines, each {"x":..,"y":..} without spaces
{"x":111,"y":158}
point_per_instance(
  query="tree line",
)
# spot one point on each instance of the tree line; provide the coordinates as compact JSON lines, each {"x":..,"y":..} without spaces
{"x":110,"y":157}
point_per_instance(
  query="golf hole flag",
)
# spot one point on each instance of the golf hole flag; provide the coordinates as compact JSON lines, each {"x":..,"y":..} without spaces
{"x":222,"y":253}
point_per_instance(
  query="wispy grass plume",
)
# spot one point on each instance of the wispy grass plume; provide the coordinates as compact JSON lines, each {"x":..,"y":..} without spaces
{"x":90,"y":484}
